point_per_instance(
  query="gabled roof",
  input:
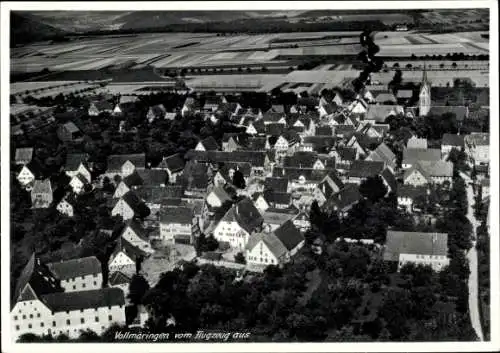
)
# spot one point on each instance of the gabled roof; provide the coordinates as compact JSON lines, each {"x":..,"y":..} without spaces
{"x":453,"y":140}
{"x":256,"y":158}
{"x":344,"y":198}
{"x":477,"y":139}
{"x":42,"y":187}
{"x":137,"y":228}
{"x":71,"y":127}
{"x":320,"y":142}
{"x":255,"y":144}
{"x":415,"y":142}
{"x":404,"y":93}
{"x":133,"y":201}
{"x":103,"y":105}
{"x":385,"y":97}
{"x":380,"y":112}
{"x":413,"y":155}
{"x":176,"y":215}
{"x":152,"y":194}
{"x":365,"y":169}
{"x":314,"y":175}
{"x":152,"y":177}
{"x":272,"y":242}
{"x":384,"y":154}
{"x":275,"y":129}
{"x":278,"y":198}
{"x":117,"y":278}
{"x":277,"y":108}
{"x":414,"y":243}
{"x":245,"y":214}
{"x":24,"y":154}
{"x":437,"y":168}
{"x":210,"y":144}
{"x":73,"y":161}
{"x":116,"y":161}
{"x":343,"y":129}
{"x":221,"y":194}
{"x":289,"y":235}
{"x":347,"y":153}
{"x":84,"y":266}
{"x":276,"y":184}
{"x":301,"y":159}
{"x":174,"y":163}
{"x":38,"y":277}
{"x":89,"y":299}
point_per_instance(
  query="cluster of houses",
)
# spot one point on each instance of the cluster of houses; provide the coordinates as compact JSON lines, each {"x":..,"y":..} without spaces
{"x":252,"y":191}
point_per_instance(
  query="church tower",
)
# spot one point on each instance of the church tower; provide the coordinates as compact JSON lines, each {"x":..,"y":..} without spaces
{"x":424,"y":98}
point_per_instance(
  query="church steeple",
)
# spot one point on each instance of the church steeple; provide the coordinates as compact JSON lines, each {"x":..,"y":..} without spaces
{"x":424,"y":102}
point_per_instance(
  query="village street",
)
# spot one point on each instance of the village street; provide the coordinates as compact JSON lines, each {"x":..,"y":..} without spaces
{"x":473,"y":263}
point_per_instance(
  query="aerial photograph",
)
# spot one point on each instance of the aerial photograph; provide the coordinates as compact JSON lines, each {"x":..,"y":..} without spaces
{"x":249,"y":176}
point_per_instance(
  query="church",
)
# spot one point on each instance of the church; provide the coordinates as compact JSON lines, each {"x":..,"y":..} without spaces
{"x":425,"y":106}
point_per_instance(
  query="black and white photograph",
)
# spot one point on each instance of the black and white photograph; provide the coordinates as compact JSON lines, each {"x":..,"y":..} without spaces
{"x":237,"y":173}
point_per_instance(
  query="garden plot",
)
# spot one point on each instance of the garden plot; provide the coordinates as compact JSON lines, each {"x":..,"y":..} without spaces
{"x":427,"y":49}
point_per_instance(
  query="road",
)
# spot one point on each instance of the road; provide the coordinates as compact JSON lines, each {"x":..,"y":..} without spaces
{"x":473,"y":263}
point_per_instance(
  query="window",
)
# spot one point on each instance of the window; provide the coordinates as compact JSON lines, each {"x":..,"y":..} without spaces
{"x":68,"y":322}
{"x":83,"y":277}
{"x":81,"y":310}
{"x":82,"y":320}
{"x":24,"y":317}
{"x":95,"y":283}
{"x":17,"y":327}
{"x":83,"y":285}
{"x":110,"y":317}
{"x":74,"y":287}
{"x":29,"y":325}
{"x":38,"y":315}
{"x":15,"y":317}
{"x":53,"y":324}
{"x":41,"y":324}
{"x":97,"y":319}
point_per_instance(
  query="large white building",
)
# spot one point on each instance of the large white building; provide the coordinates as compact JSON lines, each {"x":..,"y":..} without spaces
{"x":41,"y":305}
{"x":418,"y":248}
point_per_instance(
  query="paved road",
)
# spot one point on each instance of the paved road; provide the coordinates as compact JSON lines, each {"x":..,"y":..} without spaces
{"x":473,"y":264}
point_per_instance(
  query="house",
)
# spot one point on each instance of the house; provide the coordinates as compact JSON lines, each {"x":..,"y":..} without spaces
{"x":125,"y":104}
{"x":326,"y":109}
{"x":125,"y":257}
{"x":301,"y":221}
{"x":41,"y":194}
{"x":274,"y":248}
{"x":121,"y":189}
{"x":78,"y":274}
{"x":403,"y":96}
{"x":342,"y":131}
{"x":279,"y":200}
{"x":212,"y":103}
{"x":176,"y":225}
{"x":23,"y":155}
{"x":174,"y":165}
{"x":330,"y":184}
{"x":414,"y":155}
{"x":416,"y":143}
{"x":260,"y":202}
{"x":69,"y":132}
{"x":129,"y":206}
{"x":363,"y":169}
{"x":383,"y":154}
{"x":362,"y":143}
{"x":147,"y":177}
{"x":477,"y":148}
{"x":358,"y":106}
{"x":342,"y":201}
{"x":300,"y":159}
{"x":65,"y":208}
{"x":344,"y":156}
{"x":118,"y":279}
{"x":373,"y":130}
{"x":301,"y":179}
{"x":407,"y":194}
{"x":29,"y":172}
{"x":42,"y":307}
{"x":287,"y":142}
{"x":155,"y":197}
{"x":156,"y":112}
{"x":190,"y":105}
{"x":259,"y":160}
{"x":124,"y":164}
{"x":275,"y":218}
{"x":217,"y":197}
{"x":136,"y":235}
{"x":99,"y":107}
{"x":77,"y":163}
{"x":208,"y":144}
{"x":386,"y":98}
{"x":418,"y":248}
{"x":241,"y":220}
{"x":78,"y":183}
{"x":425,"y":172}
{"x":225,"y":173}
{"x":380,"y":112}
{"x":276,"y":184}
{"x":451,"y":141}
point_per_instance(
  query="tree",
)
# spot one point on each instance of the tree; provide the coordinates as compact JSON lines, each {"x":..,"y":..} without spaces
{"x":240,"y":258}
{"x":137,"y":288}
{"x":373,"y":188}
{"x":454,"y":65}
{"x":409,"y":66}
{"x":239,"y":179}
